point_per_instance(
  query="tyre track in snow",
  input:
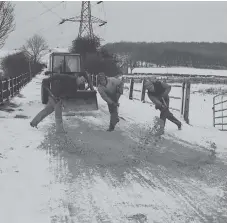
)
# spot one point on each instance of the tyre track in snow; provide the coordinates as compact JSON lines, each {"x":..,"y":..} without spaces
{"x":112,"y":179}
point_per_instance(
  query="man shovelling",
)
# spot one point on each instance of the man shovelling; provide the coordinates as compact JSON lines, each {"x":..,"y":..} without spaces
{"x":158,"y":93}
{"x":110,"y":89}
{"x":58,"y":92}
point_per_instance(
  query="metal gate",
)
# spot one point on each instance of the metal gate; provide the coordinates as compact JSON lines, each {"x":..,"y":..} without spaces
{"x":220,"y":111}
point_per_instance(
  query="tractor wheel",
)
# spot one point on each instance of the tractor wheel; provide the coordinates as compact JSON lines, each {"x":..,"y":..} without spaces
{"x":44,"y":92}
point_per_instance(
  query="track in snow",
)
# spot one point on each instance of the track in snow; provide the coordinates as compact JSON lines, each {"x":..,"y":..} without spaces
{"x":112,"y":179}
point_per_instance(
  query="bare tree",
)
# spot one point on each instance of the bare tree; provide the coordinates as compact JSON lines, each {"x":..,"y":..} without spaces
{"x":7,"y":24}
{"x":35,"y":46}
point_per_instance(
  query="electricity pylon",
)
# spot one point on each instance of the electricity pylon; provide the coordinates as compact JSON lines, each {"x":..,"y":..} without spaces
{"x":86,"y":20}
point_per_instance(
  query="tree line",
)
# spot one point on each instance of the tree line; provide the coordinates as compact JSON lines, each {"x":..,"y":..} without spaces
{"x":27,"y":58}
{"x":189,"y":54}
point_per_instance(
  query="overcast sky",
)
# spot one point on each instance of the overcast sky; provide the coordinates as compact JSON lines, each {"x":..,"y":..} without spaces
{"x":128,"y":21}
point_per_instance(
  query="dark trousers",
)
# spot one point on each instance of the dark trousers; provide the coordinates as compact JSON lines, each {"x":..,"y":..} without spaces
{"x":166,"y":114}
{"x":114,"y":119}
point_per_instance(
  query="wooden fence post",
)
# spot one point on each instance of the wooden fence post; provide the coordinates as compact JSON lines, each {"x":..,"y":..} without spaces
{"x":96,"y":81}
{"x":21,"y":81}
{"x":213,"y":111}
{"x":1,"y":92}
{"x":17,"y":83}
{"x":11,"y":86}
{"x":187,"y":102}
{"x":92,"y":79}
{"x":7,"y":88}
{"x":24,"y":79}
{"x":183,"y":98}
{"x":131,"y":89}
{"x":14,"y":86}
{"x":222,"y":112}
{"x":143,"y":91}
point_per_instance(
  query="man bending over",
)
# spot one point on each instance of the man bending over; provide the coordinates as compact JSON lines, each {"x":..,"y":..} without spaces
{"x":158,"y":93}
{"x":110,"y":90}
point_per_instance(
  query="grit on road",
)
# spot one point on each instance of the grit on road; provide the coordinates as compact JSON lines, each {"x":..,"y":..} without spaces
{"x":117,"y":177}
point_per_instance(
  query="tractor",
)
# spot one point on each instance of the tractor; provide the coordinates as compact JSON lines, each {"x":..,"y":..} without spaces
{"x":71,"y":64}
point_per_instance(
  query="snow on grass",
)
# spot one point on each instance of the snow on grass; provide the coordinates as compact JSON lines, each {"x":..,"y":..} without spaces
{"x":180,"y":70}
{"x":27,"y":191}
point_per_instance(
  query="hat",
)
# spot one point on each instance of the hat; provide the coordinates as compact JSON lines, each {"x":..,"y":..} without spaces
{"x":101,"y":75}
{"x":148,"y":82}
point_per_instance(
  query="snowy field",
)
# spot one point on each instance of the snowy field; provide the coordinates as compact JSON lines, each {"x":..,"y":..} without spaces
{"x":179,"y":70}
{"x":45,"y":179}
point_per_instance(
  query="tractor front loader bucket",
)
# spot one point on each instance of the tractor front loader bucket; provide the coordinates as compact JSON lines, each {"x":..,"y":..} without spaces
{"x":82,"y":101}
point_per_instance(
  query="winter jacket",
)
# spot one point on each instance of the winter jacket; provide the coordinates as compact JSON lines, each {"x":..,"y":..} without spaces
{"x":110,"y":93}
{"x":158,"y":89}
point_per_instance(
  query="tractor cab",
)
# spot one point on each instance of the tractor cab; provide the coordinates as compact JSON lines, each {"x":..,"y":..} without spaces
{"x":70,"y":64}
{"x":65,"y":63}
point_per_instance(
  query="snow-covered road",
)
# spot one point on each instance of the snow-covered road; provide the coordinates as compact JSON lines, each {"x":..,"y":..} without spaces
{"x":90,"y":175}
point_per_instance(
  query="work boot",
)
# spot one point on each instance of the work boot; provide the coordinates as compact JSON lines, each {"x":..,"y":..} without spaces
{"x":175,"y":121}
{"x":33,"y":125}
{"x":111,"y":128}
{"x":179,"y":126}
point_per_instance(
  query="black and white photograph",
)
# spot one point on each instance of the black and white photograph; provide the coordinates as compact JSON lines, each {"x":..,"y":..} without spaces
{"x":113,"y":112}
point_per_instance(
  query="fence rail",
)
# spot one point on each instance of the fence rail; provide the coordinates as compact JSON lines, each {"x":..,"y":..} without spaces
{"x":221,"y":100}
{"x":10,"y":87}
{"x":180,"y":78}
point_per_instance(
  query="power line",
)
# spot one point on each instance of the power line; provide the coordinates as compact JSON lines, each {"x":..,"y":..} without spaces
{"x":52,"y":8}
{"x":49,"y":9}
{"x":35,"y":17}
{"x":53,"y":25}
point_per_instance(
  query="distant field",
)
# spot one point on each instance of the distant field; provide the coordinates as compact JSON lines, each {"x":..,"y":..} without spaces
{"x":179,"y":70}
